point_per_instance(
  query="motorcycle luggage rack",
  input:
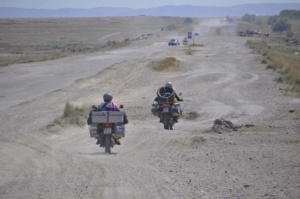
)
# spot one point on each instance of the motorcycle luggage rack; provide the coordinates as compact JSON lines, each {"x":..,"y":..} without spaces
{"x":107,"y":117}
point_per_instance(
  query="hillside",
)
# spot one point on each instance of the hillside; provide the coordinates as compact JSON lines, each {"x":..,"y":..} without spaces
{"x":180,"y":11}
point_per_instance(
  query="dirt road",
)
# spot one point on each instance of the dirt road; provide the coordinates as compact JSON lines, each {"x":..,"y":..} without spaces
{"x":219,"y":80}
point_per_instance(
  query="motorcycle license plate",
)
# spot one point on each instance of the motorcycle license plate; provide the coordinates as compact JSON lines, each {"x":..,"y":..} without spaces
{"x":166,"y":109}
{"x":107,"y":131}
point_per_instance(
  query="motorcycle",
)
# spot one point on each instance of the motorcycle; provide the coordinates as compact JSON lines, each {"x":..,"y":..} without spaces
{"x":107,"y":127}
{"x":168,"y":113}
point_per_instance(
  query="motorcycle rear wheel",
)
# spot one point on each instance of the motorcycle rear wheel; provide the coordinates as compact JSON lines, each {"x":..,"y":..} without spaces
{"x":167,"y":124}
{"x":108,"y":144}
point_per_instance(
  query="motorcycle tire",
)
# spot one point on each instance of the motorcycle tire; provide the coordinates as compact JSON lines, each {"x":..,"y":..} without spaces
{"x":108,"y":144}
{"x":171,"y":126}
{"x":166,"y":122}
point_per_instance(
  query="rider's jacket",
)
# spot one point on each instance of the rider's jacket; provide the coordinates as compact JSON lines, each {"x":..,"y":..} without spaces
{"x":108,"y":106}
{"x":111,"y":106}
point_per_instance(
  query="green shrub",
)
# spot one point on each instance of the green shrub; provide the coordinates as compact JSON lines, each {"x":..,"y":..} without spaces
{"x":249,"y":18}
{"x":171,"y":27}
{"x":272,"y":19}
{"x":281,"y":25}
{"x":188,"y":20}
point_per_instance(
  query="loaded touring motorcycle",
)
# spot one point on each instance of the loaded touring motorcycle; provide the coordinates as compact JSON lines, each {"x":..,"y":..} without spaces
{"x":107,"y":127}
{"x":168,"y":111}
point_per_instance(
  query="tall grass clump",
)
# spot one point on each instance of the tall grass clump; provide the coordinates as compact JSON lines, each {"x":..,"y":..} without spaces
{"x":168,"y":64}
{"x":73,"y":115}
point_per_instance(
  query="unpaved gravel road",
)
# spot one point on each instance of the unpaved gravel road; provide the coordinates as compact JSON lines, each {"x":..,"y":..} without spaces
{"x":220,"y":80}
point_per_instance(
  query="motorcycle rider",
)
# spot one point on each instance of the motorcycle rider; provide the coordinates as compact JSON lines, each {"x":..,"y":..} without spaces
{"x":166,"y":91}
{"x":107,"y":105}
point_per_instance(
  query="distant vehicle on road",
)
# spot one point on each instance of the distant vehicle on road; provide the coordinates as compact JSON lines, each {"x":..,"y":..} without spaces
{"x":174,"y":42}
{"x":145,"y":36}
{"x":252,"y":32}
{"x":242,"y":34}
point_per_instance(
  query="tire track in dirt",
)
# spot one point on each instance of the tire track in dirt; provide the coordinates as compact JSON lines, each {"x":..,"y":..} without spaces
{"x":151,"y":162}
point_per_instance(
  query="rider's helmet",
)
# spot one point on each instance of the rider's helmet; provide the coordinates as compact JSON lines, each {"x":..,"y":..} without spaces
{"x":107,"y":97}
{"x":169,"y":85}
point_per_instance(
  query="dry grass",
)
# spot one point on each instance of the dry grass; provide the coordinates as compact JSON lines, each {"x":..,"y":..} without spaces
{"x":167,"y":65}
{"x":73,"y":115}
{"x":32,"y":40}
{"x":190,"y":50}
{"x":191,"y":115}
{"x":196,"y":45}
{"x":30,"y":53}
{"x":285,"y":61}
{"x":278,"y":54}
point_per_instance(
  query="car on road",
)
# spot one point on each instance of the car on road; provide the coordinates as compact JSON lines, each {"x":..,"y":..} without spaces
{"x":174,"y":42}
{"x":252,"y":32}
{"x":242,"y":34}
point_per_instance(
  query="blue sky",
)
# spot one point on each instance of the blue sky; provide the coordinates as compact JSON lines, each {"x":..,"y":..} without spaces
{"x":54,"y":4}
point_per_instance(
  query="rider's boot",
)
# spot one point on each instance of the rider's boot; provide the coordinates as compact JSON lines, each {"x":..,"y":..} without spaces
{"x":117,"y":142}
{"x":98,"y":141}
{"x":175,"y":119}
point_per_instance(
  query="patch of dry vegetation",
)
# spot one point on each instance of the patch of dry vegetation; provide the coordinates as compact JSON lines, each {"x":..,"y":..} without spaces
{"x":196,"y":45}
{"x":285,"y":61}
{"x":15,"y":54}
{"x":190,"y":50}
{"x":32,"y":40}
{"x":191,"y":115}
{"x":278,"y":52}
{"x":73,"y":115}
{"x":167,"y":65}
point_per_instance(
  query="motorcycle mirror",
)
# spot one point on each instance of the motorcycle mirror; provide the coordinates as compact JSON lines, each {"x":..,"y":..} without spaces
{"x":180,"y":93}
{"x":121,"y":106}
{"x":94,"y":107}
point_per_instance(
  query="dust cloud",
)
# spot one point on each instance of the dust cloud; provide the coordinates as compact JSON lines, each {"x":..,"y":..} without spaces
{"x":215,"y":26}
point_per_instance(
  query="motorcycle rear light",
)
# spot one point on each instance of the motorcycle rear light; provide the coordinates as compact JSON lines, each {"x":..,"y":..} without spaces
{"x":165,"y":104}
{"x":106,"y":125}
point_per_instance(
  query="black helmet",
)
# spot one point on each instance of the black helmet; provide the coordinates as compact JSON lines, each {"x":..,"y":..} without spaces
{"x":169,"y":85}
{"x":107,"y":97}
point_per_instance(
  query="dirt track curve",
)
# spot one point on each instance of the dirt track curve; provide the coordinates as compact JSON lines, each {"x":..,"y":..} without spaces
{"x":219,"y":80}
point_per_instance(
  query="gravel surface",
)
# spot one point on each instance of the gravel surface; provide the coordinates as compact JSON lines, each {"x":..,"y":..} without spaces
{"x":222,"y":79}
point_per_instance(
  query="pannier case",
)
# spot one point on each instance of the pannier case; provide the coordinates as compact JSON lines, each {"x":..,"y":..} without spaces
{"x":176,"y":109}
{"x":93,"y":131}
{"x":155,"y":109}
{"x":119,"y":131}
{"x":107,"y":117}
